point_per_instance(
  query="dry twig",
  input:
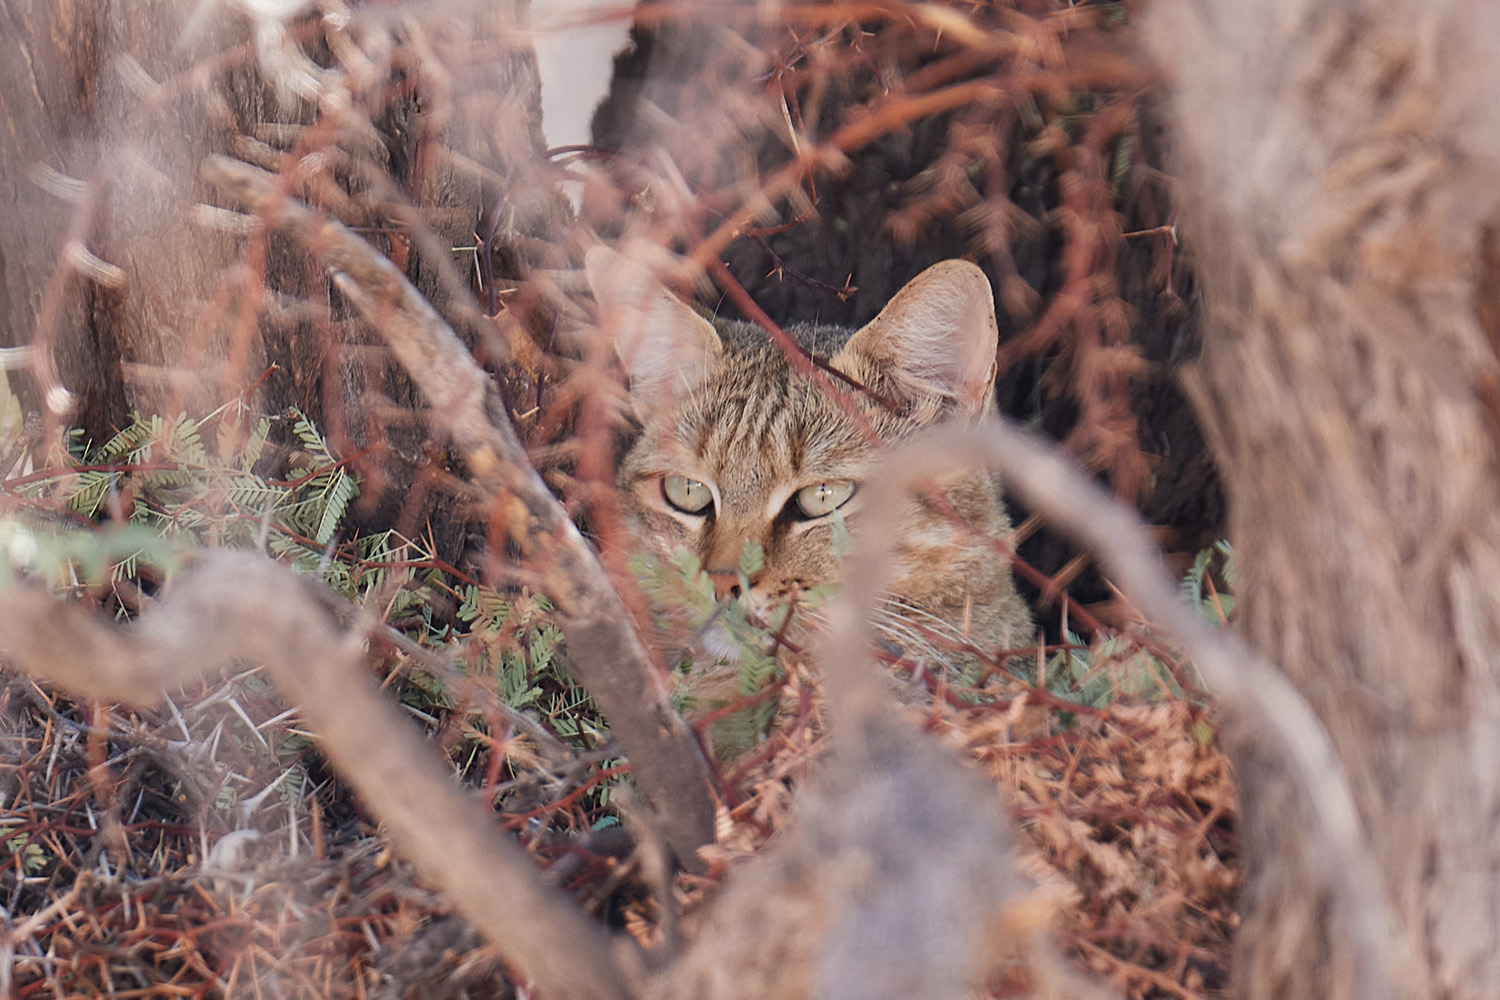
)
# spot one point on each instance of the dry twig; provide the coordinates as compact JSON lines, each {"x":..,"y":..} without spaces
{"x":238,"y":606}
{"x":609,"y":658}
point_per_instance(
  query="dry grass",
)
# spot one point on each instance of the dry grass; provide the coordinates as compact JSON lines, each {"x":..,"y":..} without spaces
{"x":140,"y":864}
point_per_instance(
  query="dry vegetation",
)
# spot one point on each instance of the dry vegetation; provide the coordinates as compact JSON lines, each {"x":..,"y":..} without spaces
{"x":204,"y":846}
{"x":158,"y":854}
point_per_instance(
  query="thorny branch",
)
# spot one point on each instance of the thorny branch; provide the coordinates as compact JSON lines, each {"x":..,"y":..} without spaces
{"x":239,"y":606}
{"x":607,"y":655}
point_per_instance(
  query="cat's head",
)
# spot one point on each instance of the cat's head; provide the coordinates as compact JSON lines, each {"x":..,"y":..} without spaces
{"x":740,"y":449}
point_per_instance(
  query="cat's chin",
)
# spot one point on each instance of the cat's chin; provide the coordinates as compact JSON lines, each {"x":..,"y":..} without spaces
{"x":720,"y":646}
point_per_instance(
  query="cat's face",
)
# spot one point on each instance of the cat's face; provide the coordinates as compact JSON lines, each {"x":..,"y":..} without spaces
{"x":739,"y":449}
{"x":751,"y":455}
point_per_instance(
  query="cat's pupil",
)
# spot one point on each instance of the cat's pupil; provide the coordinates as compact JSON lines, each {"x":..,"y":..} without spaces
{"x":688,"y":495}
{"x":823,"y":498}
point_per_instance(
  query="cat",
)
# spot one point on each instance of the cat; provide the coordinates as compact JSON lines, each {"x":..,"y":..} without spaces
{"x":740,"y":451}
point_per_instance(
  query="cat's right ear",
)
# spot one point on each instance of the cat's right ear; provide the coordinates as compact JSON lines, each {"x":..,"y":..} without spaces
{"x":662,"y":342}
{"x":935,"y":339}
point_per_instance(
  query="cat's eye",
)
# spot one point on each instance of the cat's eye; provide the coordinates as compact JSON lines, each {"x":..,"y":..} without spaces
{"x":825,"y":497}
{"x":687,"y":495}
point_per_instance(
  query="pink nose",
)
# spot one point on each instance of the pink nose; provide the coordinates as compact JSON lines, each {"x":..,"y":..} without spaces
{"x":726,"y":583}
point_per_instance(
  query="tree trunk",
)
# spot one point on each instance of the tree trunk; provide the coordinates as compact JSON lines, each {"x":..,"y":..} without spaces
{"x":1345,"y":159}
{"x":65,"y":103}
{"x":113,"y":273}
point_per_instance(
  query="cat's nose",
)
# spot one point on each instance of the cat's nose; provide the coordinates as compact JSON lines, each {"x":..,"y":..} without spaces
{"x":726,"y":583}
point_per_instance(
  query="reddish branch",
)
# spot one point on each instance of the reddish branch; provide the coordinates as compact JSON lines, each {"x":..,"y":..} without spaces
{"x":608,"y":657}
{"x":241,"y":607}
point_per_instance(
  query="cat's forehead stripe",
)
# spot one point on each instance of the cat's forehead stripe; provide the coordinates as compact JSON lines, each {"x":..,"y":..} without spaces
{"x":757,"y":427}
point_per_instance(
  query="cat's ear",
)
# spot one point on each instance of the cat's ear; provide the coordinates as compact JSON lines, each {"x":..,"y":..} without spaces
{"x":662,"y":342}
{"x":936,"y":338}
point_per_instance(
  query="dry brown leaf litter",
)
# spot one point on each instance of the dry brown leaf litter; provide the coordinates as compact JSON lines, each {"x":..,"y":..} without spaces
{"x":1126,"y":813}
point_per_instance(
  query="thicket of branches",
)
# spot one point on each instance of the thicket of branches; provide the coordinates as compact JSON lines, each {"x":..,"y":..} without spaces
{"x":330,"y":261}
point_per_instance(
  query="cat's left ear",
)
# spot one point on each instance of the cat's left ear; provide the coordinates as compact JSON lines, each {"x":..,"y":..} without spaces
{"x":936,"y":338}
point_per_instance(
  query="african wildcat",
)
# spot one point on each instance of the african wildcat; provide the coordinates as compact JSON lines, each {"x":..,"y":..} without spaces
{"x":738,"y":448}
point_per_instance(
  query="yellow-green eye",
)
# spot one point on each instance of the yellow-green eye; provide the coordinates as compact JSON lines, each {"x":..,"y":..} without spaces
{"x":824,"y":498}
{"x":687,"y":495}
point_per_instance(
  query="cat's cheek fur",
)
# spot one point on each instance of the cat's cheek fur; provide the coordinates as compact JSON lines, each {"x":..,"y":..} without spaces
{"x":669,"y":531}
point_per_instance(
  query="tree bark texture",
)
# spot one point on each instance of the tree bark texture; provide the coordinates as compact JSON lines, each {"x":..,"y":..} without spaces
{"x":1345,"y":160}
{"x":133,"y":298}
{"x":63,"y":102}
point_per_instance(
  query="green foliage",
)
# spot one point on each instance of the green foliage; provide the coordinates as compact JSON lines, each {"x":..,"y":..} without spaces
{"x":33,"y":856}
{"x":841,"y":539}
{"x":515,"y":646}
{"x":166,"y":486}
{"x":1097,"y":674}
{"x":1213,"y":604}
{"x":680,"y":584}
{"x":225,"y":799}
{"x":326,"y":496}
{"x":167,"y":491}
{"x":70,"y":557}
{"x":752,"y":561}
{"x":520,"y":646}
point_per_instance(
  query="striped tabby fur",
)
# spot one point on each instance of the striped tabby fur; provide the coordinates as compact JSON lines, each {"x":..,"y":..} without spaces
{"x":724,"y":411}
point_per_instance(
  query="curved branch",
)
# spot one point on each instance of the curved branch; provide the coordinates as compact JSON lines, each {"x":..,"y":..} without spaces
{"x":238,"y":606}
{"x":1250,"y":691}
{"x":609,"y":659}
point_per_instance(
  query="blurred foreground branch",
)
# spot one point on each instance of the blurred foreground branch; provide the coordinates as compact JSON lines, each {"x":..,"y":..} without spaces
{"x":1252,"y":694}
{"x":241,"y":607}
{"x":607,"y":656}
{"x":896,"y":878}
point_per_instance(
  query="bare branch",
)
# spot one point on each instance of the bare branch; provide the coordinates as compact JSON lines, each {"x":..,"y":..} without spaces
{"x":1252,"y":693}
{"x":237,"y":606}
{"x":608,"y":656}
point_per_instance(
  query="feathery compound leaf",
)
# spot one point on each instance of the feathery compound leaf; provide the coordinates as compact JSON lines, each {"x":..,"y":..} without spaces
{"x":91,"y":490}
{"x":483,"y":608}
{"x":186,"y":444}
{"x":341,"y":489}
{"x":254,"y":445}
{"x":752,"y":558}
{"x":1192,"y":580}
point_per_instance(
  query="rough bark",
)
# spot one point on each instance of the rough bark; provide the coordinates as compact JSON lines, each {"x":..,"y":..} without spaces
{"x":130,"y":297}
{"x":1345,"y":162}
{"x":65,"y":103}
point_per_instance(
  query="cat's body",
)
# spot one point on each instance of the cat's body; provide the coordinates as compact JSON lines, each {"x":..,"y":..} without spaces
{"x":739,"y":449}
